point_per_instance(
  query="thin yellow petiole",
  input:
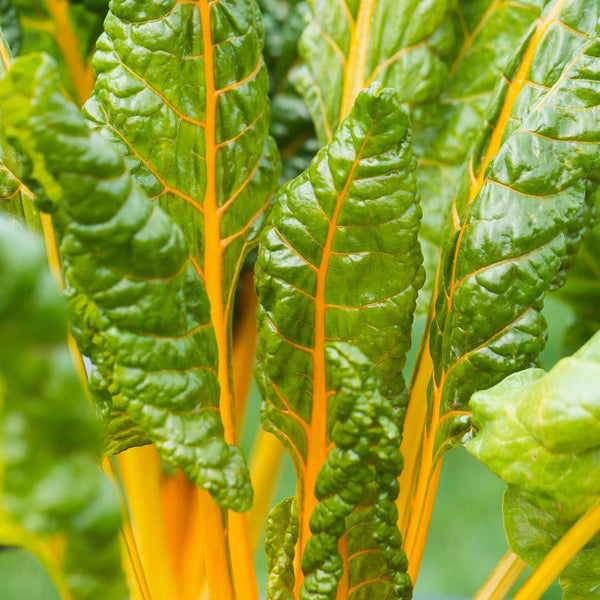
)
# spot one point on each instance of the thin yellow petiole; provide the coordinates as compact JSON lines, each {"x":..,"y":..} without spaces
{"x":502,"y":578}
{"x":560,"y":556}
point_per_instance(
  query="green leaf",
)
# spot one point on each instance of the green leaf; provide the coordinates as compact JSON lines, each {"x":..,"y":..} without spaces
{"x":182,"y":90}
{"x":16,"y":199}
{"x":487,"y":34}
{"x":280,"y":541}
{"x":361,"y":469}
{"x":139,"y":308}
{"x":540,"y":432}
{"x":291,"y":124}
{"x":54,"y":500}
{"x":523,"y":219}
{"x":582,"y":292}
{"x":349,"y":44}
{"x":10,"y":25}
{"x":339,"y":262}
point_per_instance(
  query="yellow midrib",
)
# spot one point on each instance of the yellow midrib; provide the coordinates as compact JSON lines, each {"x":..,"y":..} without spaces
{"x":64,"y":35}
{"x":356,"y":64}
{"x":417,"y":526}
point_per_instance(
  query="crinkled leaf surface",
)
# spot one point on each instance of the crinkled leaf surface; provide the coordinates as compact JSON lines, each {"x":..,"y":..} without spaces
{"x":54,"y":500}
{"x":280,"y":541}
{"x":339,"y":262}
{"x":348,"y":44}
{"x":182,"y":89}
{"x":487,"y":34}
{"x":360,"y":470}
{"x":139,"y":307}
{"x":523,"y":217}
{"x":541,"y":434}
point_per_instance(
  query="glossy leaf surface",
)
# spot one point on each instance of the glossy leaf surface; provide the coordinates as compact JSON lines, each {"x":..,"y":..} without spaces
{"x":540,"y":433}
{"x":360,"y":470}
{"x":182,"y":89}
{"x":340,"y":262}
{"x":487,"y":33}
{"x":139,"y":309}
{"x":523,"y":217}
{"x":54,"y":500}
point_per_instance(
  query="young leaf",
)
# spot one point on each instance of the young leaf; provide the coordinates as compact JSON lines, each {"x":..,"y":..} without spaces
{"x":139,"y":306}
{"x":280,"y":541}
{"x":541,"y":434}
{"x":348,"y":45}
{"x":340,"y":262}
{"x":54,"y":500}
{"x":182,"y":89}
{"x":361,"y":469}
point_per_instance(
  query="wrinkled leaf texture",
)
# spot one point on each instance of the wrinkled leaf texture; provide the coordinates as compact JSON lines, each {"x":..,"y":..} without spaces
{"x":340,"y":262}
{"x":139,"y":308}
{"x":524,"y":215}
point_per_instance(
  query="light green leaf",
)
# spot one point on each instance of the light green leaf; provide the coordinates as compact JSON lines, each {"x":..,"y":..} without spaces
{"x":139,"y":308}
{"x":280,"y":541}
{"x":54,"y":500}
{"x":540,"y":432}
{"x":339,"y":262}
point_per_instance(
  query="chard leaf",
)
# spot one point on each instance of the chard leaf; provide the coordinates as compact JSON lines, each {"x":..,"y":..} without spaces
{"x":140,"y":310}
{"x":16,"y":199}
{"x":280,"y":541}
{"x":362,"y":469}
{"x":349,"y":44}
{"x":10,"y":25}
{"x":182,"y":89}
{"x":525,"y":208}
{"x":582,"y":291}
{"x":54,"y":500}
{"x":340,"y":262}
{"x":540,"y":432}
{"x":445,"y":129}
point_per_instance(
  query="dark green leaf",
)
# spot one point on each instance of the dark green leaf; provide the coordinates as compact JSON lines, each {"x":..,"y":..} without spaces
{"x":140,"y":310}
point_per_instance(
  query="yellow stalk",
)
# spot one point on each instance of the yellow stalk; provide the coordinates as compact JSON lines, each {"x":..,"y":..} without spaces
{"x":264,"y":467}
{"x":66,"y":38}
{"x":561,"y":555}
{"x":355,"y":67}
{"x":140,"y":470}
{"x":502,"y":578}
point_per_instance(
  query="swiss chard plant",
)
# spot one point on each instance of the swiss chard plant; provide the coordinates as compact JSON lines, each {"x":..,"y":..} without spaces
{"x":229,"y":188}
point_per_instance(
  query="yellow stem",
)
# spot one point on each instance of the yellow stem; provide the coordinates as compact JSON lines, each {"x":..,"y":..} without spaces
{"x":354,"y":70}
{"x":66,"y":38}
{"x":502,"y":578}
{"x":264,"y":467}
{"x":141,"y":473}
{"x":561,"y":555}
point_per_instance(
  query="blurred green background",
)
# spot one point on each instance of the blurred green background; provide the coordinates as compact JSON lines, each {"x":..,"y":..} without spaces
{"x":466,"y":538}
